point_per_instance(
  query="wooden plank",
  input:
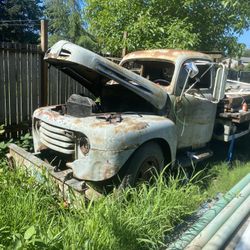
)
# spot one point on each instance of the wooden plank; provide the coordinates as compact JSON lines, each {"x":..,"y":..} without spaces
{"x":20,"y":98}
{"x":17,"y":76}
{"x":7,"y":87}
{"x":24,"y":83}
{"x":28,"y":83}
{"x":36,"y":83}
{"x":63,"y":88}
{"x":31,"y":82}
{"x":49,"y":80}
{"x":59,"y":93}
{"x":57,"y":87}
{"x":38,"y":61}
{"x":51,"y":83}
{"x":68,"y":87}
{"x":2,"y":95}
{"x":13,"y":87}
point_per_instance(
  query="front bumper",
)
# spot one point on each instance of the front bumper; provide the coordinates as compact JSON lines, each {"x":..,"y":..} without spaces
{"x":19,"y":158}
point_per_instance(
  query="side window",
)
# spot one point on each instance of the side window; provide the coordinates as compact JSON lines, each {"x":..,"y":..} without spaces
{"x":201,"y":81}
{"x":203,"y":78}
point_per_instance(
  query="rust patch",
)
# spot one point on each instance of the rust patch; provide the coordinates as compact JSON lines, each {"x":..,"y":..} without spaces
{"x":48,"y":113}
{"x":98,"y":140}
{"x":41,"y":147}
{"x":159,"y":118}
{"x":130,"y":126}
{"x":77,"y":121}
{"x":100,"y":124}
{"x":164,"y":54}
{"x":109,"y":170}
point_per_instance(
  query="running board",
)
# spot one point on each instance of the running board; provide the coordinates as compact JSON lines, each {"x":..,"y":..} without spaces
{"x":190,"y":157}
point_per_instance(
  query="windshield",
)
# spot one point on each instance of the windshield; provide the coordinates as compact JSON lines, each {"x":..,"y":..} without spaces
{"x":156,"y":71}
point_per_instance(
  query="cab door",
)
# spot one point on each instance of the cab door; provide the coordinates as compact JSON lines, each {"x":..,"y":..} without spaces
{"x":194,"y":107}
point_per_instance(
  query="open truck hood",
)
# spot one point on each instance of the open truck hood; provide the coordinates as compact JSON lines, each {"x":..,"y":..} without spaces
{"x":93,"y":71}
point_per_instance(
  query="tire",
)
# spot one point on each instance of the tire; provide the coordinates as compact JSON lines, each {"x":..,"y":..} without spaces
{"x":143,"y":165}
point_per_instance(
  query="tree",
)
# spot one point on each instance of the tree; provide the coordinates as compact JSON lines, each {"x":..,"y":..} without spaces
{"x":247,"y":67}
{"x":186,"y":24}
{"x":246,"y":53}
{"x":66,"y":22}
{"x":19,"y":20}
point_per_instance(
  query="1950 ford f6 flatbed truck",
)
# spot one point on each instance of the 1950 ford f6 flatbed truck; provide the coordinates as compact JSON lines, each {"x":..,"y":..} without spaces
{"x":157,"y":107}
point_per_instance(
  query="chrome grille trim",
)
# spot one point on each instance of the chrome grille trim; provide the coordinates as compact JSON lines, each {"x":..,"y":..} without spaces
{"x":54,"y":135}
{"x":58,"y":139}
{"x":58,"y":149}
{"x":57,"y":142}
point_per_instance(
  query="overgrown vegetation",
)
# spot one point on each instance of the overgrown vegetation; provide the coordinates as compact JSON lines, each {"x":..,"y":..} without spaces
{"x":25,"y":141}
{"x":224,"y":178}
{"x":163,"y":24}
{"x":33,"y":217}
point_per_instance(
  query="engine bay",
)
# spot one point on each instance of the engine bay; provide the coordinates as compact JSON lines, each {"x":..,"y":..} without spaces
{"x":114,"y":99}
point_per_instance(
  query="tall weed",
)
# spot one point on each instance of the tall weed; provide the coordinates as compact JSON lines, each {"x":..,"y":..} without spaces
{"x":32,"y":216}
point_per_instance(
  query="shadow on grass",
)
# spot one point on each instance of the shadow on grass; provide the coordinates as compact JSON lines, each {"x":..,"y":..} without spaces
{"x":220,"y":153}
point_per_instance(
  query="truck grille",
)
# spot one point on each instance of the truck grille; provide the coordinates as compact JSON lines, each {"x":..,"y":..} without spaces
{"x":56,"y":138}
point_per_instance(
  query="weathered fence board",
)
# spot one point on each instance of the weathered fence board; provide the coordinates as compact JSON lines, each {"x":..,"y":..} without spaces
{"x":2,"y":100}
{"x":21,"y":85}
{"x":61,"y":86}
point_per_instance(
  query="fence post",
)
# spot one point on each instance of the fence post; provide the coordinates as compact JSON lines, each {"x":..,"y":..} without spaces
{"x":44,"y":65}
{"x":124,"y":50}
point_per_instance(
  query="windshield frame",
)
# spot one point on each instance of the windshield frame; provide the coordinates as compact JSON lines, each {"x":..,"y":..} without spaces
{"x":168,"y":86}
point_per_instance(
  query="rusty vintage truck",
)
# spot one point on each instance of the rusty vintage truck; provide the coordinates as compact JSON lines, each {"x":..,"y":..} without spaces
{"x":156,"y":107}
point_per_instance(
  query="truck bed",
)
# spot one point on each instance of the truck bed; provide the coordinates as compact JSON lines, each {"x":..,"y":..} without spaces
{"x":230,"y":107}
{"x":232,"y":120}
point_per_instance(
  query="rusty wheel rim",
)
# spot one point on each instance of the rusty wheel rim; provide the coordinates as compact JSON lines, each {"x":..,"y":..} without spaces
{"x":148,"y":170}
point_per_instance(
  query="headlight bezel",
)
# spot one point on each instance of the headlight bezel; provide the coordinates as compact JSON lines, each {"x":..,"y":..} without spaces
{"x":83,"y":145}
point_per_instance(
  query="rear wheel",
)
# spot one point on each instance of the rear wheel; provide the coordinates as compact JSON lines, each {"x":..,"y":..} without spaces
{"x":144,"y":164}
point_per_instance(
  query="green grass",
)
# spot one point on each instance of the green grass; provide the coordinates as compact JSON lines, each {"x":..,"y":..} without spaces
{"x":33,"y":217}
{"x":225,"y":178}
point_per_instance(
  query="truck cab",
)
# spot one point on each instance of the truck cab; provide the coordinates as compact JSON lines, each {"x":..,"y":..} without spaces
{"x":137,"y":118}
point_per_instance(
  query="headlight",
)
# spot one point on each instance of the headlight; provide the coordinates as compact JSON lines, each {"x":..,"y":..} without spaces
{"x":37,"y":125}
{"x":84,"y":145}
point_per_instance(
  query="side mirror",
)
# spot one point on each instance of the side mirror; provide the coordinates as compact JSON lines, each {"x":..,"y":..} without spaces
{"x":192,"y":69}
{"x":220,"y":82}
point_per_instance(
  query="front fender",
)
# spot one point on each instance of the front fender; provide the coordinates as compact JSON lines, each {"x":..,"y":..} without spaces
{"x":111,"y":143}
{"x":124,"y":138}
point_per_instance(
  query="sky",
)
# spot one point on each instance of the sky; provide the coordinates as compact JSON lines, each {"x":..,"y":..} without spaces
{"x":245,"y":38}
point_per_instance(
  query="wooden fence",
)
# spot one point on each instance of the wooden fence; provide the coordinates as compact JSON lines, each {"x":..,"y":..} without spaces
{"x":22,"y":89}
{"x":21,"y":86}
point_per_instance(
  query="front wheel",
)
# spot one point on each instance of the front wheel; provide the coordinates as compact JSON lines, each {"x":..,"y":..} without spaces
{"x":144,"y":164}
